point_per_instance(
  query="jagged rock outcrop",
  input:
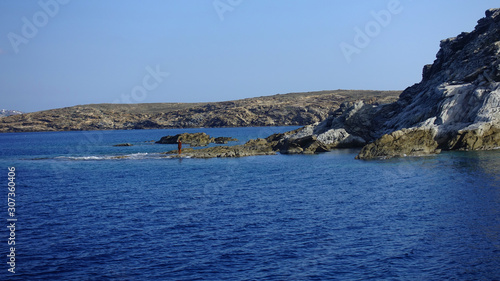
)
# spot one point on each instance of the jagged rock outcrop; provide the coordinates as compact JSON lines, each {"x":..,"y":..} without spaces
{"x":305,"y":145}
{"x":458,"y":100}
{"x":484,"y":138}
{"x":194,"y":139}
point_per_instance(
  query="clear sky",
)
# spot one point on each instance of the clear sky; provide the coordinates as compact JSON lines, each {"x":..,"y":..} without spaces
{"x":58,"y":53}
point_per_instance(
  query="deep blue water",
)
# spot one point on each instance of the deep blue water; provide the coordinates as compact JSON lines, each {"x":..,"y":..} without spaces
{"x":83,"y":215}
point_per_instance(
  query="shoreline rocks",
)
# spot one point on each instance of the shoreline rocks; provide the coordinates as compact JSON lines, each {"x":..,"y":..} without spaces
{"x":194,"y":139}
{"x":456,"y":106}
{"x":485,"y":138}
{"x":402,"y":143}
{"x":251,"y":148}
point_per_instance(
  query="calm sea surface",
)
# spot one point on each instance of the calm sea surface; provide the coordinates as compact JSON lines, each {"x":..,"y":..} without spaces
{"x":83,"y":215}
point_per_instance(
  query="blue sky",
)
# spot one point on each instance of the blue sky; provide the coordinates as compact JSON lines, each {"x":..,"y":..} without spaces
{"x":58,"y":53}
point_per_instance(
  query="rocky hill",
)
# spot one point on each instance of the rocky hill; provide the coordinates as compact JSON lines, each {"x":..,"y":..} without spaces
{"x":277,"y":110}
{"x":455,"y":106}
{"x":6,"y":112}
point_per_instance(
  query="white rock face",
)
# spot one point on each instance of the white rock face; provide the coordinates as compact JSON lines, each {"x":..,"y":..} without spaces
{"x":333,"y":136}
{"x":340,"y":138}
{"x":464,"y":106}
{"x":333,"y":133}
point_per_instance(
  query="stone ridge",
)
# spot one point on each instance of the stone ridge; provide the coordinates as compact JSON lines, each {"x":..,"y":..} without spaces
{"x":278,"y":110}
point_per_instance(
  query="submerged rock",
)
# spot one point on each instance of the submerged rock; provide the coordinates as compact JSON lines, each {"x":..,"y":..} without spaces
{"x":124,"y":144}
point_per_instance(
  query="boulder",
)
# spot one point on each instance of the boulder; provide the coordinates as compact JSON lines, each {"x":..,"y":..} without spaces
{"x":223,"y":140}
{"x":401,"y":143}
{"x":486,"y":138}
{"x":304,"y":145}
{"x":193,"y":139}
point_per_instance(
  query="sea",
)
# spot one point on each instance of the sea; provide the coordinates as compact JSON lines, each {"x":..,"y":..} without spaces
{"x":75,"y":207}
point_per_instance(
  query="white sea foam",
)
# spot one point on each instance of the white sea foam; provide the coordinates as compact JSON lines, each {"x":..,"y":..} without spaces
{"x":134,"y":156}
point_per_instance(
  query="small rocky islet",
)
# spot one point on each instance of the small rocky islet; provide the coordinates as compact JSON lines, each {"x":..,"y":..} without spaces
{"x":456,"y":106}
{"x":195,"y":139}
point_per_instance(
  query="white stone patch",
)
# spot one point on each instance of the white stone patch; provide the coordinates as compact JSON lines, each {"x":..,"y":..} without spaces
{"x":333,"y":136}
{"x":306,"y":131}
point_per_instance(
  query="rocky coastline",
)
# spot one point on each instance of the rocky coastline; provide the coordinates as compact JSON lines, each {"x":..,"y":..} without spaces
{"x":456,"y":106}
{"x":250,"y":148}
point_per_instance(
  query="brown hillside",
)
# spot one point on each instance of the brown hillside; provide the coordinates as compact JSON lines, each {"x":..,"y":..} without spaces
{"x":278,"y":110}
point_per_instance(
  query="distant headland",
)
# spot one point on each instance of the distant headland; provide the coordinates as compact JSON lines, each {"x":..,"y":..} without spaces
{"x":277,"y":110}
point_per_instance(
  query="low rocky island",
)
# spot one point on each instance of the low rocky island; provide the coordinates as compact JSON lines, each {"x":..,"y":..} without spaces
{"x":195,"y":139}
{"x":268,"y":146}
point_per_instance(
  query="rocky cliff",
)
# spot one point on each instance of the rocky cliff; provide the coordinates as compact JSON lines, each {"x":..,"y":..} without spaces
{"x":277,"y":110}
{"x":455,"y":106}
